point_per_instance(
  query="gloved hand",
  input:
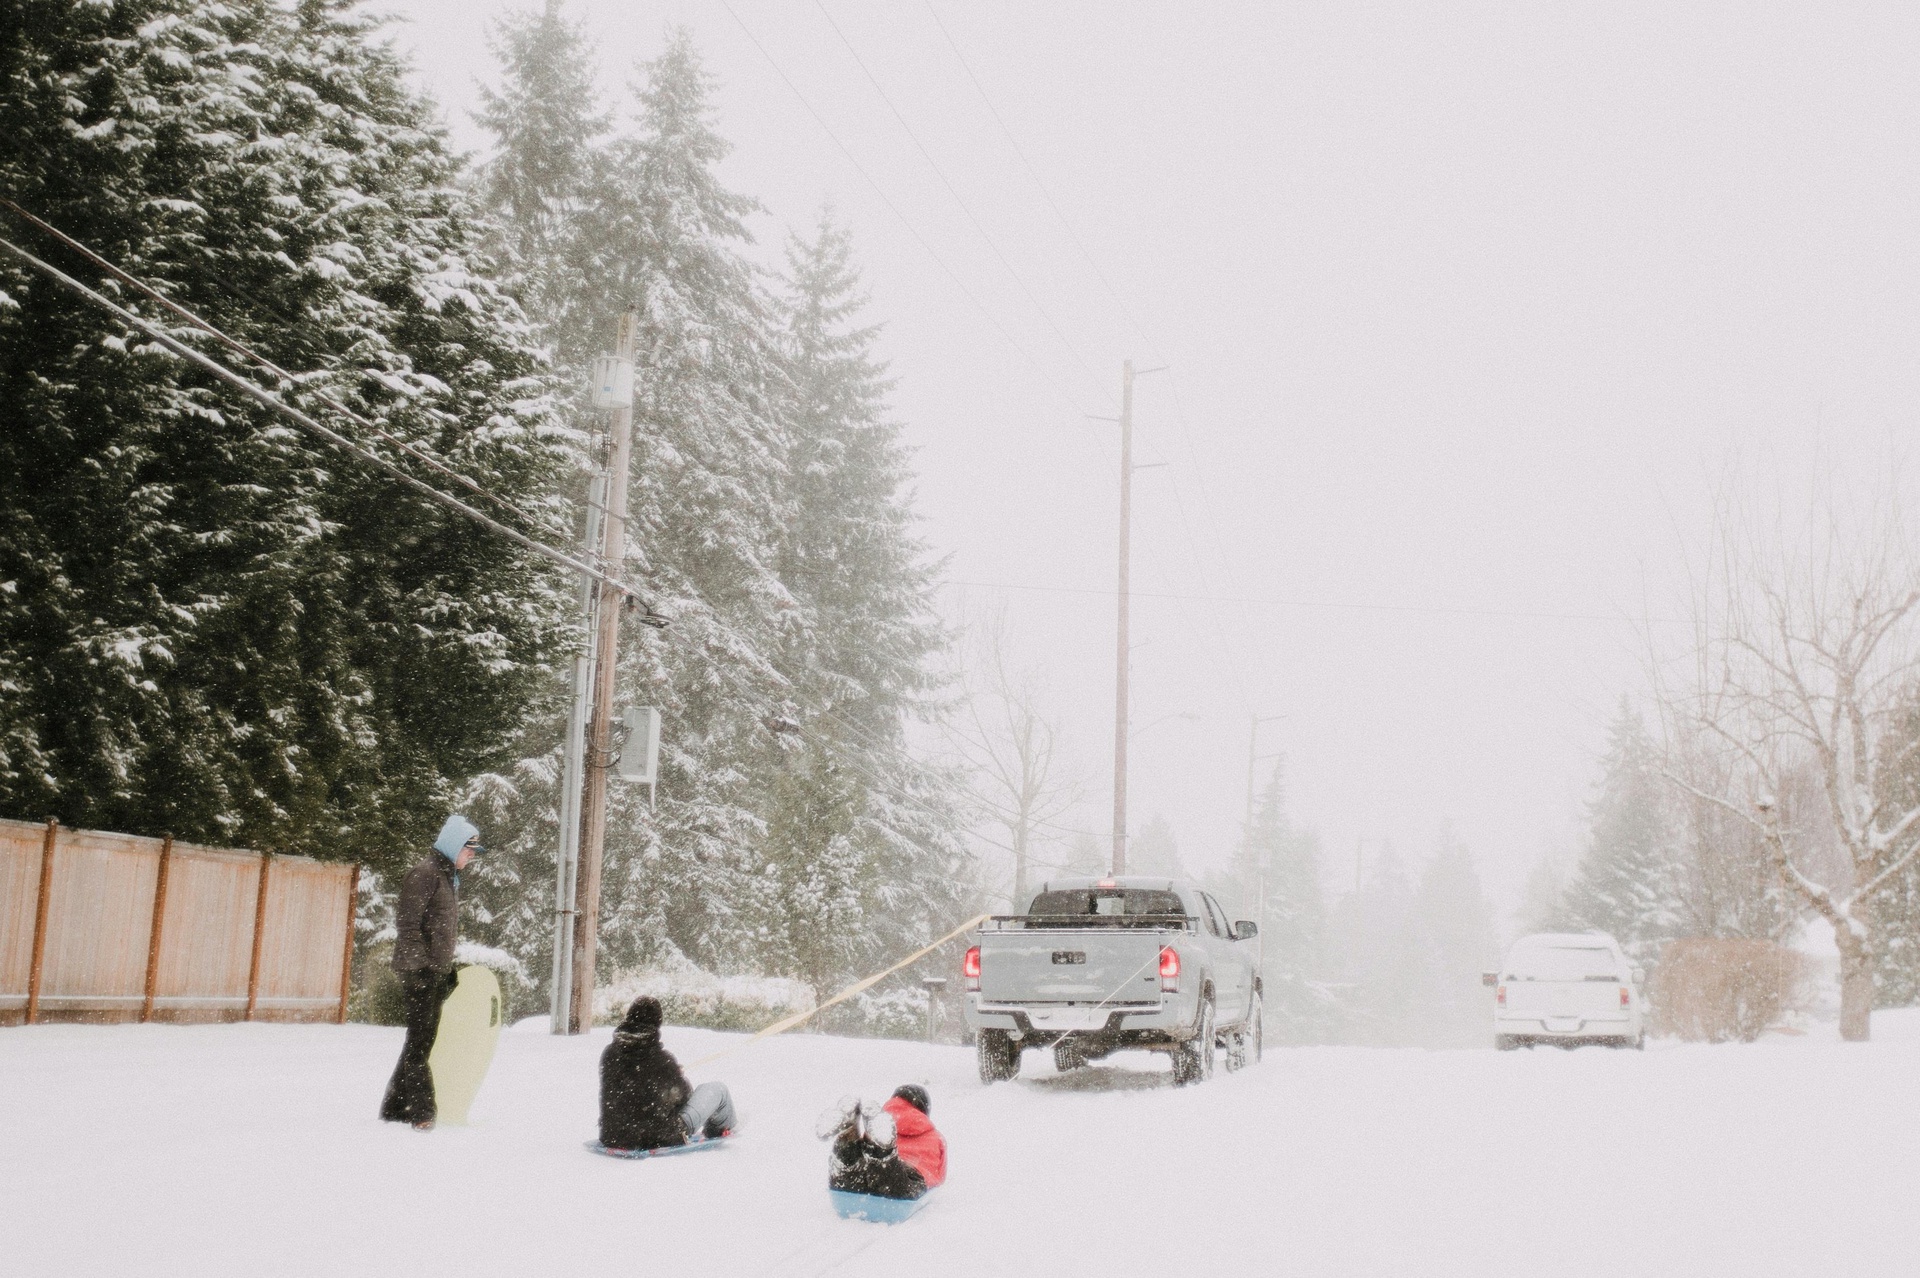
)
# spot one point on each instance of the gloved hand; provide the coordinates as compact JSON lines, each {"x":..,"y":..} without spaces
{"x":836,"y":1118}
{"x":448,"y":983}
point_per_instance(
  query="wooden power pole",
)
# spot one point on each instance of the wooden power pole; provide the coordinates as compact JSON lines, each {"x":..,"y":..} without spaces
{"x":1123,"y":651}
{"x":599,"y":744}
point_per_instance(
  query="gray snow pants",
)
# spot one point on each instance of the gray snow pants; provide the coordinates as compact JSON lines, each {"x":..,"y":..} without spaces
{"x":709,"y":1110}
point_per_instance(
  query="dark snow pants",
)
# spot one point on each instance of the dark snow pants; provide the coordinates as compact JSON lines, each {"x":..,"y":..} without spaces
{"x":409,"y":1096}
{"x":860,"y":1168}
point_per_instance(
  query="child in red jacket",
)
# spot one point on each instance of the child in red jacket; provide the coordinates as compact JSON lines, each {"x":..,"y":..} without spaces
{"x":890,"y":1151}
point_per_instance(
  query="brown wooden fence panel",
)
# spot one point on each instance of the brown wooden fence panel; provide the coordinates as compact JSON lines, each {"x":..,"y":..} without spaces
{"x":20,"y":845}
{"x":307,"y":914}
{"x":99,"y":917}
{"x":206,"y":946}
{"x":102,"y":957}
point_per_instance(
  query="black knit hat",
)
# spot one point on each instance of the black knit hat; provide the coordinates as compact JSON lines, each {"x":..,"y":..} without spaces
{"x":916,"y":1096}
{"x":644,"y":1014}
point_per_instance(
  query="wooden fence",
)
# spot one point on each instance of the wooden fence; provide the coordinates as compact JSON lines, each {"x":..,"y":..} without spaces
{"x":112,"y":927}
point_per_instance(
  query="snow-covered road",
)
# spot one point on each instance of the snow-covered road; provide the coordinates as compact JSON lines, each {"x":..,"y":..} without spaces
{"x":253,"y":1150}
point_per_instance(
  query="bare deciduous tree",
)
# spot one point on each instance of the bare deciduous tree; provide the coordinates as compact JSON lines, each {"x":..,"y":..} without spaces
{"x":1011,"y":746}
{"x":1801,"y":656}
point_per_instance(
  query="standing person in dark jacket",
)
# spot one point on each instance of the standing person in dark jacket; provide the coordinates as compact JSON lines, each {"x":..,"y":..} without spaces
{"x":426,"y":924}
{"x":645,"y":1102}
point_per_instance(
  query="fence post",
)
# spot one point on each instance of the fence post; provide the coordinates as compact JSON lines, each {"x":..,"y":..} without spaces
{"x":159,"y":916}
{"x":259,"y":926}
{"x":346,"y":954}
{"x":38,"y":966}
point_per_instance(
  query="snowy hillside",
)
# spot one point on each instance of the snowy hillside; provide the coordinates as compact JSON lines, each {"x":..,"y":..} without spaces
{"x":253,"y":1150}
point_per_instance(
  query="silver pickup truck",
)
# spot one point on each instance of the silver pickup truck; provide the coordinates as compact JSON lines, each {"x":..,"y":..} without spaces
{"x":1097,"y":966}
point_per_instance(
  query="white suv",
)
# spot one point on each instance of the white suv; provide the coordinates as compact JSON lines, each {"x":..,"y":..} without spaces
{"x":1566,"y":987}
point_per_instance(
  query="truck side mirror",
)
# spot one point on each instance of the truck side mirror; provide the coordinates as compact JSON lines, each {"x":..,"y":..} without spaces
{"x":1639,"y":975}
{"x":1245,"y":930}
{"x":1489,"y":979}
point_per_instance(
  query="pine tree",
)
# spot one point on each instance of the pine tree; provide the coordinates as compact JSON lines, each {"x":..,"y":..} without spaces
{"x":217,"y":626}
{"x":1453,"y":922}
{"x":1279,"y":864}
{"x":1376,"y":955}
{"x":1626,"y":882}
{"x":1155,"y":851}
{"x":855,"y":650}
{"x":546,"y":119}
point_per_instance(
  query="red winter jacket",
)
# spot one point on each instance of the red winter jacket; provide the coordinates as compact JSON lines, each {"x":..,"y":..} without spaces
{"x":920,"y":1146}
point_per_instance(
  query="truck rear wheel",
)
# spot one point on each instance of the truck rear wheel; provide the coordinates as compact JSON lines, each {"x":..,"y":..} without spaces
{"x":1193,"y":1059}
{"x":999,"y":1056}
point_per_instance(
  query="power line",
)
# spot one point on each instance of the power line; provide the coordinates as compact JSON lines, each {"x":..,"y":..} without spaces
{"x":273,"y":402}
{"x":953,"y":190}
{"x":901,"y":217}
{"x":1126,"y":313}
{"x":247,"y":352}
{"x":1419,"y":609}
{"x":1035,"y":175}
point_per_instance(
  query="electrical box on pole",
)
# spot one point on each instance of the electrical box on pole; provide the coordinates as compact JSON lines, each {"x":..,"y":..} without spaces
{"x":639,"y":758}
{"x":612,"y":382}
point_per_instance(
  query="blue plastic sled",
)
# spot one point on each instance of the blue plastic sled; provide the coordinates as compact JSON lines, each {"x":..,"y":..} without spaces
{"x":881,"y":1211}
{"x":665,"y":1151}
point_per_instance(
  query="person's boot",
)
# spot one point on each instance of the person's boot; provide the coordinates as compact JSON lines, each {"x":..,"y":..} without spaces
{"x":881,"y":1131}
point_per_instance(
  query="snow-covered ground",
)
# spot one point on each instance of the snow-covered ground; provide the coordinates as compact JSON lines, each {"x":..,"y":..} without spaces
{"x":253,"y":1150}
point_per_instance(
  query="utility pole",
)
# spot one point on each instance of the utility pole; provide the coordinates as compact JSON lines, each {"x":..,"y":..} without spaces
{"x":1123,"y":652}
{"x":560,"y":1010}
{"x":599,"y":737}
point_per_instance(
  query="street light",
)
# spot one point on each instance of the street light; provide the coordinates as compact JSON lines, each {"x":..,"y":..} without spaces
{"x":1184,"y":714}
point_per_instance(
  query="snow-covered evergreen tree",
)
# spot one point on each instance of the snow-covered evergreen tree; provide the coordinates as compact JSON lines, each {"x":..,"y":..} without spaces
{"x":546,"y":118}
{"x":1453,"y":922}
{"x":1627,"y":882}
{"x":215,"y":625}
{"x":855,"y":648}
{"x":1375,"y":955}
{"x":1153,"y":849}
{"x":1280,"y":863}
{"x":769,"y":518}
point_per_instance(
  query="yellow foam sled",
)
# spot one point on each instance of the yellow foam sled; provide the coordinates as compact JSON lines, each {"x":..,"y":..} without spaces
{"x":463,"y":1049}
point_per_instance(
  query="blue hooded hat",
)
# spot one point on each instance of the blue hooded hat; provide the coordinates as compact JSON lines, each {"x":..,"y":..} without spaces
{"x":454,"y":835}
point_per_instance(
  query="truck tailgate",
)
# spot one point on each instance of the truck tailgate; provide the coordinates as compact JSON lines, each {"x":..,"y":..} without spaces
{"x":1071,"y":965}
{"x":1557,"y":1000}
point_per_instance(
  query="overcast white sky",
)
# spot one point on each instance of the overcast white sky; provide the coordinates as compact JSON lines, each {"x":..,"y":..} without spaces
{"x":1466,"y":307}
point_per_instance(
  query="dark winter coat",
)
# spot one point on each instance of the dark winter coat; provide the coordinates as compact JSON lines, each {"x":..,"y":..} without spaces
{"x":427,"y":919}
{"x":641,"y":1092}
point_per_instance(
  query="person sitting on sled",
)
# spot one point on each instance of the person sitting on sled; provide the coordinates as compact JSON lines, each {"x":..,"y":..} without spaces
{"x":889,"y":1151}
{"x":645,"y":1102}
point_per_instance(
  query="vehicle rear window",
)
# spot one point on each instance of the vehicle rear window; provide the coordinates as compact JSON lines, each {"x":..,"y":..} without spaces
{"x":1564,"y":963}
{"x":1078,"y":905}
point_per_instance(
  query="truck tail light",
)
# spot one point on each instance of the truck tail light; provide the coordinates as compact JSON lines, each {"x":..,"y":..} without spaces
{"x":1169,"y":970}
{"x":970,"y":968}
{"x":1500,"y":998}
{"x":1626,"y":998}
